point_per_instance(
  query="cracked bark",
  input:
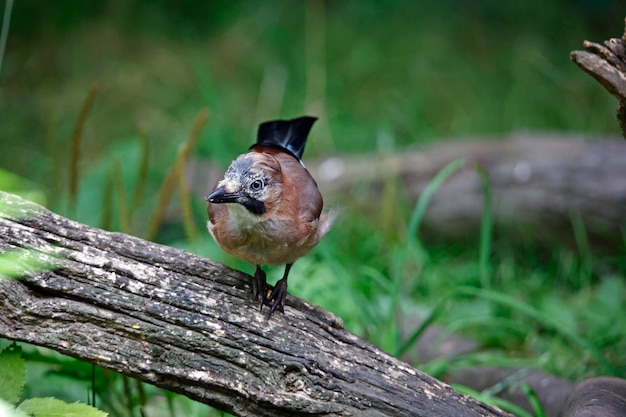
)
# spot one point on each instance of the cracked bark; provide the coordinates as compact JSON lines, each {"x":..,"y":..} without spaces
{"x":607,"y":64}
{"x":187,"y":324}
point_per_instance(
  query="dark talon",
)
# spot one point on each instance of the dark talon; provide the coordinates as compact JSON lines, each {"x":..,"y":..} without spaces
{"x":279,"y":294}
{"x":260,"y":288}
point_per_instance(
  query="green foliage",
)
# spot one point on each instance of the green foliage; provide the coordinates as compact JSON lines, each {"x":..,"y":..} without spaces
{"x":534,"y":400}
{"x":51,"y":407}
{"x":7,"y":410}
{"x":20,"y":262}
{"x":13,"y":368}
{"x":498,"y":402}
{"x":15,"y":184}
{"x":13,"y":374}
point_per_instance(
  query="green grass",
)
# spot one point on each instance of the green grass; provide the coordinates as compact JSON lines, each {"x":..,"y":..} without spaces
{"x":382,"y":77}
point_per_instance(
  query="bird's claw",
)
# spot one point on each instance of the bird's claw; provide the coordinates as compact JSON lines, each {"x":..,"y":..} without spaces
{"x":277,"y":297}
{"x":266,"y":295}
{"x":260,"y":289}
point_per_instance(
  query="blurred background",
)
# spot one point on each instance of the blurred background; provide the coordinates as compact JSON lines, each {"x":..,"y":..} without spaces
{"x":101,"y":102}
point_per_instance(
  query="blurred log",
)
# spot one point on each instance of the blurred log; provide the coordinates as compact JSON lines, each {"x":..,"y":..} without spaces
{"x":597,"y":397}
{"x":437,"y":344}
{"x":184,"y":323}
{"x":542,"y":184}
{"x":607,"y":64}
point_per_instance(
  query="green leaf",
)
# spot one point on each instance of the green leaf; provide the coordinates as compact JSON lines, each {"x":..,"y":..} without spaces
{"x":19,"y":263}
{"x":51,"y":407}
{"x":15,"y":184}
{"x":7,"y":410}
{"x":498,"y":402}
{"x":13,"y":370}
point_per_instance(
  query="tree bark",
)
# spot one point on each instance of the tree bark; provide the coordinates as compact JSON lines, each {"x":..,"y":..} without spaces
{"x":187,"y":324}
{"x":607,"y":64}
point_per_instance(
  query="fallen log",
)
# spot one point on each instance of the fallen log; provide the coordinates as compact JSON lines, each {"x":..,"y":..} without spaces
{"x":187,"y":324}
{"x":597,"y":397}
{"x":542,"y":186}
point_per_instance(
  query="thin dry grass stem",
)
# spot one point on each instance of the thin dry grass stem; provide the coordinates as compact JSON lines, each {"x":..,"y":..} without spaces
{"x":107,"y":202}
{"x":314,"y":55}
{"x":142,"y":174}
{"x":76,"y":138}
{"x":4,"y":32}
{"x":120,"y":196}
{"x":167,"y":187}
{"x":185,"y":200}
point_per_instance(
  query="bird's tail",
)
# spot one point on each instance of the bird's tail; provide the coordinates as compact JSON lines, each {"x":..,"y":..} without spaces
{"x":287,"y":135}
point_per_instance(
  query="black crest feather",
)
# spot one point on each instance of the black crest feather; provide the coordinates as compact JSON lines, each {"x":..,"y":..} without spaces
{"x":287,"y":135}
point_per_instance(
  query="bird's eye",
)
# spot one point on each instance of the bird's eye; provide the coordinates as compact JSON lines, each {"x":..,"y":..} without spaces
{"x":256,"y":185}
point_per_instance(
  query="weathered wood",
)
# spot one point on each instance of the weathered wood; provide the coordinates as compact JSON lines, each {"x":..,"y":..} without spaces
{"x":607,"y":64}
{"x":184,"y":323}
{"x":597,"y":397}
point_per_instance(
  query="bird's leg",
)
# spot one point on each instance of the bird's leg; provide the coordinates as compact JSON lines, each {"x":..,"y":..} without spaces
{"x":279,"y":293}
{"x":259,"y":287}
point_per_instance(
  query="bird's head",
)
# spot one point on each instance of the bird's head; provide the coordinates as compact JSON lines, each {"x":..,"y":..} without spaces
{"x":254,"y":181}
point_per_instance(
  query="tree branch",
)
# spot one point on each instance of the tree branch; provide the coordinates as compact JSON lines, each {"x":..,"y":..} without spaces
{"x":187,"y":324}
{"x":607,"y":64}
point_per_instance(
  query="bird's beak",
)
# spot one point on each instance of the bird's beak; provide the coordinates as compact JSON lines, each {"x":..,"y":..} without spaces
{"x":219,"y":195}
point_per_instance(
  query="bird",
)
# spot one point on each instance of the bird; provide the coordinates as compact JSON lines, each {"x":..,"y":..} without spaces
{"x":267,"y":208}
